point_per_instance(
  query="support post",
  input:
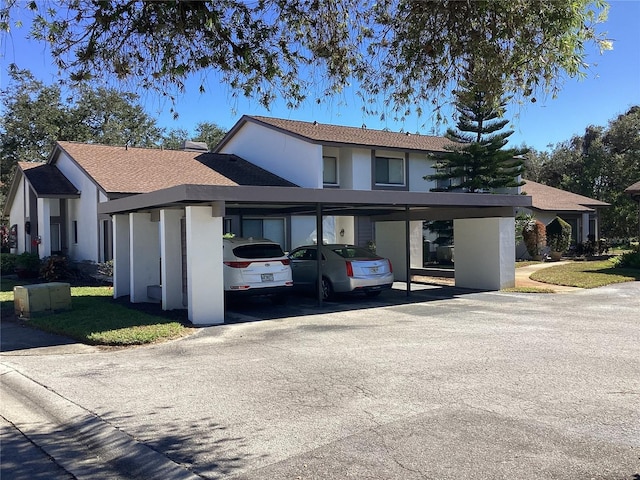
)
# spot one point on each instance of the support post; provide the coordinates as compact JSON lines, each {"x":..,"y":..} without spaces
{"x":121,"y":256}
{"x":319,"y":242}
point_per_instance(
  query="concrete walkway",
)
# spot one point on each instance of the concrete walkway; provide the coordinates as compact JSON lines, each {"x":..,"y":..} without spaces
{"x":523,"y":279}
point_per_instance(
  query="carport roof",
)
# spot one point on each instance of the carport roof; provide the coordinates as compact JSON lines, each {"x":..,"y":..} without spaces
{"x":296,"y":200}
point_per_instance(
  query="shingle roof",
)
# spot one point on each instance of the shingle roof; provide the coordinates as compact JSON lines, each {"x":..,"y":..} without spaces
{"x":335,"y":134}
{"x":143,"y":170}
{"x":633,"y":190}
{"x":544,"y":197}
{"x":47,"y":181}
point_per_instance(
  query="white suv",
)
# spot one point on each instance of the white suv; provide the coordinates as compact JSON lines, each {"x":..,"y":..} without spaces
{"x":256,"y":267}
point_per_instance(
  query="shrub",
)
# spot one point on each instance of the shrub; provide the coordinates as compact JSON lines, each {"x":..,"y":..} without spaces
{"x":54,"y":268}
{"x":28,"y":264}
{"x":558,"y":235}
{"x":629,"y":259}
{"x":106,"y":268}
{"x":7,"y":263}
{"x":534,"y":235}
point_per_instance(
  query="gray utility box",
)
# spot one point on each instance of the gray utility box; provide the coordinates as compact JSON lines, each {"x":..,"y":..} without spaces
{"x":43,"y":298}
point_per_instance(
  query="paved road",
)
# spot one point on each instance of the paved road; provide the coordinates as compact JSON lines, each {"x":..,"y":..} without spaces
{"x":444,"y":385}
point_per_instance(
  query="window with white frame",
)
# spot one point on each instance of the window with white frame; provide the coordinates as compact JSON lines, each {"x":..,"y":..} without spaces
{"x":330,"y":170}
{"x":389,"y":171}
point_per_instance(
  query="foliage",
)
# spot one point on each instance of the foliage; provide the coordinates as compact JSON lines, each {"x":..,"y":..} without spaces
{"x":522,"y":220}
{"x":207,"y":132}
{"x":592,"y":247}
{"x":442,"y":228}
{"x":528,"y":290}
{"x":628,"y":259}
{"x":28,"y":262}
{"x":55,"y":268}
{"x":534,"y":236}
{"x":36,"y":115}
{"x":4,"y":239}
{"x":586,"y":274}
{"x":558,"y":235}
{"x":476,"y":161}
{"x":599,"y":164}
{"x":106,"y":268}
{"x":7,"y":263}
{"x":411,"y":51}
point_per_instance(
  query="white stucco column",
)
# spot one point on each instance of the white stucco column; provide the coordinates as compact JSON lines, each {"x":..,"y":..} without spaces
{"x":485,"y":253}
{"x":585,"y":227}
{"x":121,"y":256}
{"x":44,"y":227}
{"x":171,"y":254}
{"x":205,"y":284}
{"x":145,"y":255}
{"x":390,"y":243}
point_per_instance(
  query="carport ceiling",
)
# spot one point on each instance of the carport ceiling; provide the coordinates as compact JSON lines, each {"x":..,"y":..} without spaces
{"x":387,"y":204}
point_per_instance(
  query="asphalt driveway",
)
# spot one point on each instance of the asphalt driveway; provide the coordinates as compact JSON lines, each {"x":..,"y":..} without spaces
{"x":446,"y":385}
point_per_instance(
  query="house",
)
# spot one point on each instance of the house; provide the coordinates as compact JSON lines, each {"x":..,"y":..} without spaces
{"x":53,"y":206}
{"x":578,"y":211}
{"x":162,"y":214}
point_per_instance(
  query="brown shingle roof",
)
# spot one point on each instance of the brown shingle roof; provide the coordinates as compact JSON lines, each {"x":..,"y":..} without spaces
{"x":335,"y":134}
{"x":544,"y":197}
{"x":633,"y":190}
{"x":143,"y":170}
{"x":47,"y":181}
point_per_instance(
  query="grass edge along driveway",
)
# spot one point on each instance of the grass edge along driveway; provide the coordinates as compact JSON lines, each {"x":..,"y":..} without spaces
{"x":97,"y":319}
{"x":587,"y":274}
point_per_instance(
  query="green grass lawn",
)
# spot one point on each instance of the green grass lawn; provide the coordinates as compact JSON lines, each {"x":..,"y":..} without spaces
{"x":586,"y":274}
{"x":97,"y":319}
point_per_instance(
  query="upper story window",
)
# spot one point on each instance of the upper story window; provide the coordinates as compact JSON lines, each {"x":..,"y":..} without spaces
{"x":330,"y":170}
{"x":389,"y":171}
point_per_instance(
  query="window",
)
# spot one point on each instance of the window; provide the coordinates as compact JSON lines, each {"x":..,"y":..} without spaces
{"x":389,"y":171}
{"x":270,"y":228}
{"x":75,"y":231}
{"x":330,"y":170}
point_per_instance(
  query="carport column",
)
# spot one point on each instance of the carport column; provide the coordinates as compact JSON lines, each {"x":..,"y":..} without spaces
{"x":391,"y":241}
{"x":205,"y":284}
{"x":145,"y":255}
{"x":485,"y":253}
{"x":171,"y":255}
{"x":121,"y":256}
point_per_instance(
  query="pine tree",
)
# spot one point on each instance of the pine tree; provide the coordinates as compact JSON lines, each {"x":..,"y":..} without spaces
{"x":476,"y":161}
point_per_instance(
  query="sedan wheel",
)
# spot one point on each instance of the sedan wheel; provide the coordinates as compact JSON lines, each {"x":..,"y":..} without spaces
{"x":327,"y":289}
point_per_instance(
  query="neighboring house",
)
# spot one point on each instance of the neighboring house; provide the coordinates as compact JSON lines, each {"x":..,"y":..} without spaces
{"x":54,"y":205}
{"x":578,"y":211}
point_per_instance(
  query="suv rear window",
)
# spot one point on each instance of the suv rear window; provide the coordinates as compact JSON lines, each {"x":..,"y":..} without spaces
{"x":355,"y":252}
{"x":259,"y":250}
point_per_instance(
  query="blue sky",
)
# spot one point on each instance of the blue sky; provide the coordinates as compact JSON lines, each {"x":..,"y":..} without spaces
{"x":611,"y":87}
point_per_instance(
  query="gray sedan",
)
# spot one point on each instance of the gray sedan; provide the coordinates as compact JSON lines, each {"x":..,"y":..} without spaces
{"x":345,"y":269}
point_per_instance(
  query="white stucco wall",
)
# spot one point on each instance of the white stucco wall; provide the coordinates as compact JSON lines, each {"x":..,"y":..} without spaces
{"x":121,"y":256}
{"x":419,"y":166}
{"x":84,"y":210}
{"x":361,"y":168}
{"x":44,"y":227}
{"x":390,"y":243}
{"x":485,"y":252}
{"x":145,"y":255}
{"x":17,"y":215}
{"x":296,"y":160}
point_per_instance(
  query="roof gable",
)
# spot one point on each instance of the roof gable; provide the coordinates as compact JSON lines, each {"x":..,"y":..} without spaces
{"x":544,"y":197}
{"x":633,"y":190}
{"x":315,"y":132}
{"x":47,"y":181}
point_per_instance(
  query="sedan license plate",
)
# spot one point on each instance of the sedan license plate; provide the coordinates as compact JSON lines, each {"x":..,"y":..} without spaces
{"x":267,"y":277}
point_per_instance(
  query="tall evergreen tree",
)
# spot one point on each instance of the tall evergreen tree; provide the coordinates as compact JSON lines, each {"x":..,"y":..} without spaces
{"x":476,"y":160}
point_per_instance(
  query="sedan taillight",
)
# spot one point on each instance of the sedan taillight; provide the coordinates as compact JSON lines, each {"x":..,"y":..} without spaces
{"x":390,"y":266}
{"x":237,"y":264}
{"x":349,"y":268}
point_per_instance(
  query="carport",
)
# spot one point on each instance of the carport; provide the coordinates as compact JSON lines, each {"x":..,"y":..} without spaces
{"x":186,"y":221}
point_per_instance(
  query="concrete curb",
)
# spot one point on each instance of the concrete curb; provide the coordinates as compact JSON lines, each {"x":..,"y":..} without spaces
{"x":79,"y":441}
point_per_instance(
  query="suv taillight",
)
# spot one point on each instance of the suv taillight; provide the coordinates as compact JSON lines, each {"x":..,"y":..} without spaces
{"x":349,"y":269}
{"x":286,"y":261}
{"x":237,"y":264}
